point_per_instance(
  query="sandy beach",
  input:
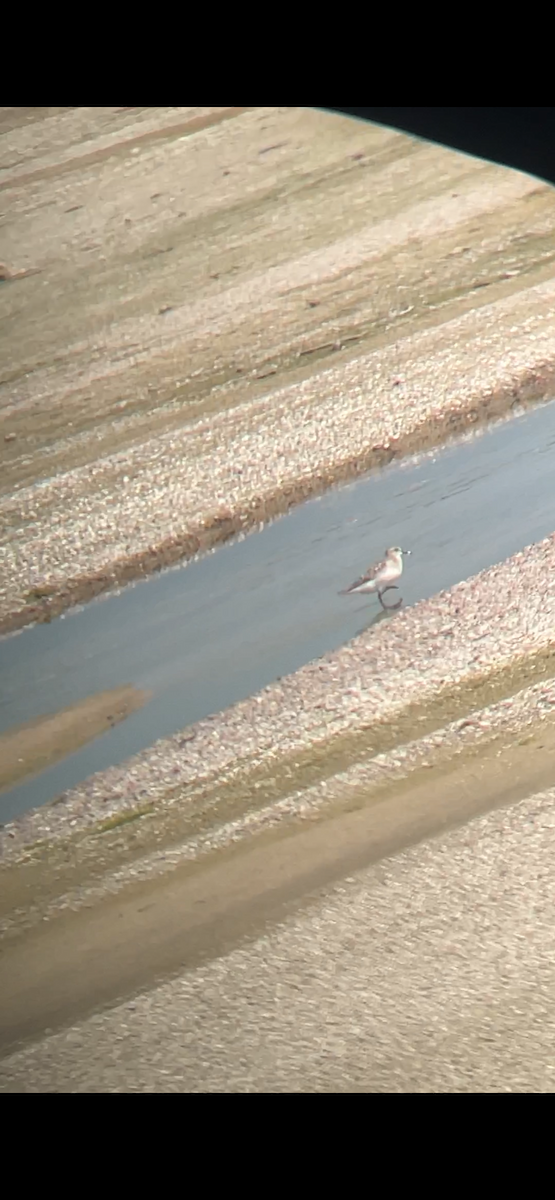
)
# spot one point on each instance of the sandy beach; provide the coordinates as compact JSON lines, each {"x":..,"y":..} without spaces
{"x":210,"y":315}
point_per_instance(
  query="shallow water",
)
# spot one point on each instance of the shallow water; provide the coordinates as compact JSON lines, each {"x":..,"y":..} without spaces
{"x":217,"y":630}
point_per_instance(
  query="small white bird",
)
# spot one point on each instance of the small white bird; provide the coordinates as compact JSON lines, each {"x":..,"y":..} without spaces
{"x":381,"y":577}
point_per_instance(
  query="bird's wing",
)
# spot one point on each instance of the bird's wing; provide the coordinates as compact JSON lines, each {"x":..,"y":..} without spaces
{"x":369,"y":574}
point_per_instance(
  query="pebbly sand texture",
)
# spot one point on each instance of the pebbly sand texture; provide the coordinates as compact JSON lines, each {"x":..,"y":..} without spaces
{"x":228,"y":310}
{"x":238,"y":467}
{"x":483,"y":626}
{"x":511,"y":719}
{"x":430,"y":972}
{"x":213,"y":313}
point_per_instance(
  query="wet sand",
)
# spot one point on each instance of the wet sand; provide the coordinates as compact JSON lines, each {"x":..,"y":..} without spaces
{"x":72,"y":965}
{"x":232,"y":309}
{"x":30,"y":748}
{"x":337,"y":349}
{"x":432,"y":971}
{"x":367,"y":294}
{"x":465,"y":667}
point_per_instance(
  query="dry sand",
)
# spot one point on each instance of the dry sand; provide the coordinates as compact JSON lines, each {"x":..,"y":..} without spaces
{"x":305,"y":744}
{"x":210,"y":314}
{"x":223,"y":311}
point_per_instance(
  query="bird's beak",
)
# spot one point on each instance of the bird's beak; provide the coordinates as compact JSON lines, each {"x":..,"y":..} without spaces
{"x":407,"y":551}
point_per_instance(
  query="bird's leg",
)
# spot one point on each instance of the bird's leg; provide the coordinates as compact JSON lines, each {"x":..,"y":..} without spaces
{"x":391,"y":587}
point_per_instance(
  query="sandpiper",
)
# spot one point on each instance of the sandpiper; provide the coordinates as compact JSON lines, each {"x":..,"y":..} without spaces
{"x":381,"y":576}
